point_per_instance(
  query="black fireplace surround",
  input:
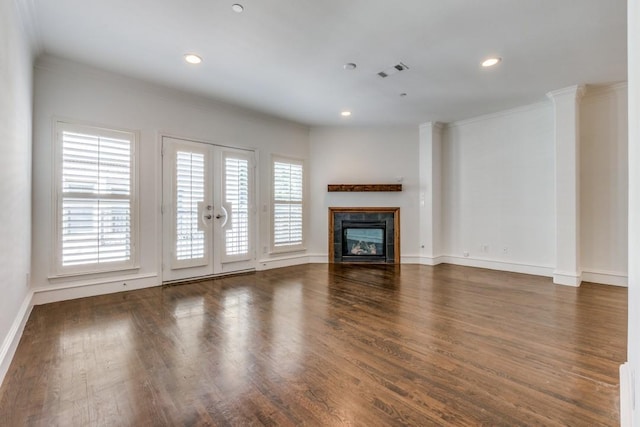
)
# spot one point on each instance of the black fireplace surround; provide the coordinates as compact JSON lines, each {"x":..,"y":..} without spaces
{"x":363,"y":237}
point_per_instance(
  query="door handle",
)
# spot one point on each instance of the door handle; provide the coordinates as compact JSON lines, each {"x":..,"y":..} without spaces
{"x":207,"y":216}
{"x":224,"y":215}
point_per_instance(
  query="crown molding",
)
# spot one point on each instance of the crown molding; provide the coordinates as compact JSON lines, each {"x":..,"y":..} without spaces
{"x":575,"y":91}
{"x":433,"y":125}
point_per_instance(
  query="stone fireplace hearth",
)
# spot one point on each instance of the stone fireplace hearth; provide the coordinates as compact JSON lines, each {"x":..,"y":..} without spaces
{"x":364,"y":235}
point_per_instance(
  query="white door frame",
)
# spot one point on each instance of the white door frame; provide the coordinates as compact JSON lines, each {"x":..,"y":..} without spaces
{"x":214,"y":219}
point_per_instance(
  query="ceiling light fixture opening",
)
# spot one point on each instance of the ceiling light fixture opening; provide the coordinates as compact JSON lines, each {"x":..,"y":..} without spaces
{"x":490,"y":62}
{"x":192,"y":58}
{"x":237,"y":8}
{"x":345,"y":113}
{"x":349,"y":66}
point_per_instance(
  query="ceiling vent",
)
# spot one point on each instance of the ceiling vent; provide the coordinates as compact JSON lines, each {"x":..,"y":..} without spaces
{"x":392,"y":70}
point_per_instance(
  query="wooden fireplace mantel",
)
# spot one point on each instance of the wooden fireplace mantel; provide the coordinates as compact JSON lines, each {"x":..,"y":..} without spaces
{"x":363,"y":187}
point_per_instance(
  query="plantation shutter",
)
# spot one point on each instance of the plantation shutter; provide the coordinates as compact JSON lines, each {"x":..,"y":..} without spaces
{"x":95,"y":217}
{"x":189,"y":195}
{"x":287,"y":204}
{"x":236,"y":202}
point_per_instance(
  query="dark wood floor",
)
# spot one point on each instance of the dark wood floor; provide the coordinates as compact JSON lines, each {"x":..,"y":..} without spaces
{"x":323,"y":345}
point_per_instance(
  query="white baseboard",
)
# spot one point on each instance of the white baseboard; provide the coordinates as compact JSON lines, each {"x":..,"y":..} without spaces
{"x":422,"y":260}
{"x":75,"y":290}
{"x":498,"y":265}
{"x":284,"y":261}
{"x":412,"y":259}
{"x":12,"y":339}
{"x":601,"y":277}
{"x":626,"y":396}
{"x":318,"y":258}
{"x":567,"y":279}
{"x":605,"y":278}
{"x":425,"y":260}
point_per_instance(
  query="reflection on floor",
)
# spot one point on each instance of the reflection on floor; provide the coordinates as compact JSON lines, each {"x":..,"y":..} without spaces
{"x":326,"y":345}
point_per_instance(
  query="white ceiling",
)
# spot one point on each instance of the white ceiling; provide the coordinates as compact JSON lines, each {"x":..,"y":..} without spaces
{"x":286,"y":57}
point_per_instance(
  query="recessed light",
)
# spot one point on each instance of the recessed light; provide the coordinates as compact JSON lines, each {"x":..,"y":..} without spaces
{"x":237,"y":8}
{"x":490,"y":62}
{"x":345,"y":113}
{"x":349,"y":66}
{"x":192,"y":58}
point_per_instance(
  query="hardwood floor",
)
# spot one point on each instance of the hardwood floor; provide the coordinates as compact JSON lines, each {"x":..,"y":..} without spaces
{"x":326,"y":345}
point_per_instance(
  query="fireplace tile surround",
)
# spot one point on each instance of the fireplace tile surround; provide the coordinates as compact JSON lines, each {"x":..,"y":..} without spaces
{"x":388,"y":216}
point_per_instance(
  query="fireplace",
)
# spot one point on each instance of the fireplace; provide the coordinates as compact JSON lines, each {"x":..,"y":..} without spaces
{"x":364,"y":235}
{"x":364,"y":240}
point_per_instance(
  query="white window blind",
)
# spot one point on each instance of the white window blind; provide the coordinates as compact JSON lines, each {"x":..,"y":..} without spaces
{"x":189,"y":195}
{"x":236,"y":197}
{"x":95,"y":199}
{"x":287,"y":204}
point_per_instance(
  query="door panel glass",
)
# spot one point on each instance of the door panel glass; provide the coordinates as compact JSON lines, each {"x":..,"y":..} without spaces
{"x":189,"y":236}
{"x":236,"y":202}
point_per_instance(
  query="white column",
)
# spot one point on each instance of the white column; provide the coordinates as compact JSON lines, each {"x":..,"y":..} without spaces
{"x":430,"y":154}
{"x":567,"y":142}
{"x":629,"y":372}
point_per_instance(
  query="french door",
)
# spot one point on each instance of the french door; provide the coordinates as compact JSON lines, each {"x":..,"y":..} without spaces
{"x":208,"y":209}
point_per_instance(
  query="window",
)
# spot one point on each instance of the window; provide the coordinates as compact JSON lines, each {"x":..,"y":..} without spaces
{"x":288,"y":175}
{"x":95,"y":199}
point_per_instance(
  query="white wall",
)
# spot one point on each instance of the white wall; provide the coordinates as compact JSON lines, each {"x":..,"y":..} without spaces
{"x":15,"y":178}
{"x":364,"y":156}
{"x":603,"y":184}
{"x":68,"y":90}
{"x":498,"y":190}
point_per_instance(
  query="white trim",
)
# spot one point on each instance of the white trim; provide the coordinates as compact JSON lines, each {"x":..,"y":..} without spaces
{"x":511,"y":267}
{"x":567,"y":279}
{"x":11,"y":341}
{"x":410,"y":259}
{"x":626,"y":396}
{"x":534,"y":270}
{"x":599,"y":277}
{"x":268,"y":264}
{"x":434,"y":125}
{"x":575,"y":91}
{"x":60,"y":125}
{"x":605,"y":278}
{"x":431,"y":261}
{"x":318,"y":258}
{"x":92,"y":288}
{"x":303,"y":204}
